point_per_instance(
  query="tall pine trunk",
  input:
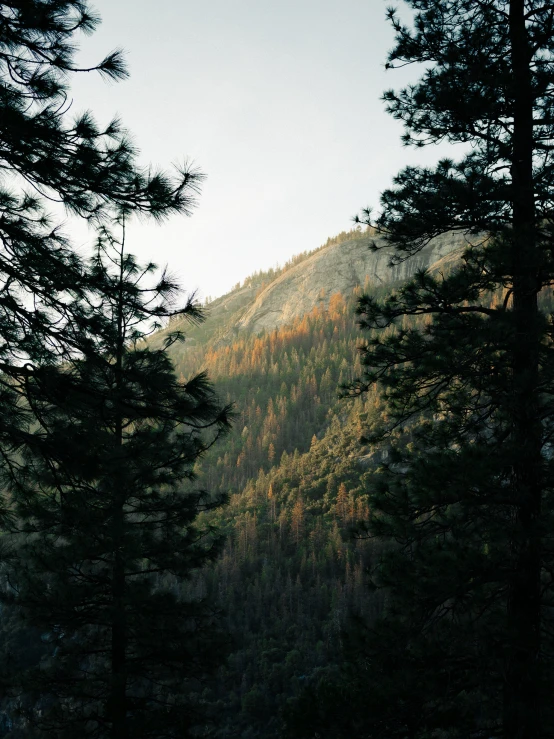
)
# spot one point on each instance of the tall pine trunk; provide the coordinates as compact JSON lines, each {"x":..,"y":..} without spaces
{"x":118,"y":688}
{"x":118,"y":684}
{"x":521,"y":714}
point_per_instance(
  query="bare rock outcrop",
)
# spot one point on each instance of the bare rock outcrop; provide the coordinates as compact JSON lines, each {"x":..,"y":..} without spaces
{"x":340,"y":268}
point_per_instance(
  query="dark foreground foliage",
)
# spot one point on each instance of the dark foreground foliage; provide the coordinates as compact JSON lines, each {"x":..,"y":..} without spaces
{"x":97,"y":437}
{"x":104,"y":529}
{"x":465,"y":498}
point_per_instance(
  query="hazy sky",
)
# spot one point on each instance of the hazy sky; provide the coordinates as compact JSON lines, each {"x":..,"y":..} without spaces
{"x":277,"y":102}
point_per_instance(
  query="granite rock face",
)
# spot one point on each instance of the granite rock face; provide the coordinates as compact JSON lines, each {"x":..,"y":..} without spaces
{"x":340,"y":268}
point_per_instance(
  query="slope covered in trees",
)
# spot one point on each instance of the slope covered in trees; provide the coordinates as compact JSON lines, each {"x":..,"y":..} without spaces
{"x":291,"y":571}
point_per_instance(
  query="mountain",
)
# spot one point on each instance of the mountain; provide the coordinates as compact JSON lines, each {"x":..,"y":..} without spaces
{"x":267,"y":300}
{"x":279,"y":345}
{"x":338,"y":268}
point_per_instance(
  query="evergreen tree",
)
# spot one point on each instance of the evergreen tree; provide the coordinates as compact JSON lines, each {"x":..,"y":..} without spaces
{"x":465,"y":500}
{"x":47,"y":156}
{"x":106,"y":535}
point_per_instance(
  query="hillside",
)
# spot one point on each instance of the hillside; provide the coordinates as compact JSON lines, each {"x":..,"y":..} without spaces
{"x":279,"y":346}
{"x":338,"y":268}
{"x":267,"y":300}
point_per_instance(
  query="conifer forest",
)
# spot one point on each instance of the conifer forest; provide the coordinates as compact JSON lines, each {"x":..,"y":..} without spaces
{"x":321,"y":505}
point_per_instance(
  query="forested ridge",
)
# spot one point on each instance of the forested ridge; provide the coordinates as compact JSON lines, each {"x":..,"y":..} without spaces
{"x":294,"y":568}
{"x":292,"y":571}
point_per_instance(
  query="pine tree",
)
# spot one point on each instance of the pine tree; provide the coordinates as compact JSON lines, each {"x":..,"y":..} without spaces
{"x":106,"y":533}
{"x":48,"y":155}
{"x":464,"y":646}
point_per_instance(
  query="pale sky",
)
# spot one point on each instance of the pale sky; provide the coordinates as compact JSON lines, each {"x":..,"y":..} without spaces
{"x":277,"y":101}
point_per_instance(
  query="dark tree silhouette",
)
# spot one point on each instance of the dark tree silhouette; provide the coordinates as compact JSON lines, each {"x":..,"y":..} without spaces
{"x":465,"y":498}
{"x":107,"y":539}
{"x":53,"y":162}
{"x":68,"y":335}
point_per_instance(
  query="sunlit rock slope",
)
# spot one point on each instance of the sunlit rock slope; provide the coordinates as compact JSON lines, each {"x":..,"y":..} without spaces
{"x":337,"y":268}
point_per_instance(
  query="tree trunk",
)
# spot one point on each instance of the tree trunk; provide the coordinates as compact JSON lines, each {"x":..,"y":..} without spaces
{"x":118,"y":686}
{"x":522,"y":715}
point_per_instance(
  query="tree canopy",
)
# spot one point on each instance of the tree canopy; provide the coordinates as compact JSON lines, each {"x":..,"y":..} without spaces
{"x":465,"y":363}
{"x":98,"y":438}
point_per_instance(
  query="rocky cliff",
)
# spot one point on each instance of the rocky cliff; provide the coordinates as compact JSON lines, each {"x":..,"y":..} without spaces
{"x":340,"y":268}
{"x":262,"y":303}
